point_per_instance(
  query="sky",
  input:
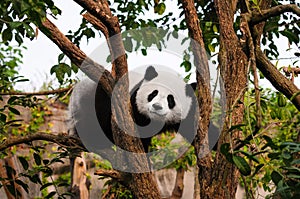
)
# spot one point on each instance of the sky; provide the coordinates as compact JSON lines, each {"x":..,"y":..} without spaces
{"x":41,"y":53}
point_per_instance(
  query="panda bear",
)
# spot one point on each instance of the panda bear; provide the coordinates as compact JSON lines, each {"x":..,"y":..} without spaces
{"x":160,"y":102}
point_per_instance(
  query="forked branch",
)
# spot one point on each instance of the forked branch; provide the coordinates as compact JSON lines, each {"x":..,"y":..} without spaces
{"x":278,"y":80}
{"x":274,"y":11}
{"x":60,"y":139}
{"x":78,"y":57}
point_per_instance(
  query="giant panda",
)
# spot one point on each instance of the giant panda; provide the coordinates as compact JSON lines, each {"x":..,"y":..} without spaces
{"x":160,"y":102}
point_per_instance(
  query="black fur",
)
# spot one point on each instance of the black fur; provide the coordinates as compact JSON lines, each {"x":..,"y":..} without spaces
{"x":103,"y":111}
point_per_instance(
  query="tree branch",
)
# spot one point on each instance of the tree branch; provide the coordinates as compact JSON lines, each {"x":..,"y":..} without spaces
{"x":142,"y":184}
{"x":60,"y":139}
{"x":278,"y":80}
{"x":252,"y":63}
{"x":272,"y":12}
{"x":288,"y":71}
{"x":110,"y":173}
{"x":101,"y":11}
{"x":79,"y":58}
{"x":60,"y":90}
{"x":98,"y":24}
{"x":204,"y":92}
{"x":201,"y":63}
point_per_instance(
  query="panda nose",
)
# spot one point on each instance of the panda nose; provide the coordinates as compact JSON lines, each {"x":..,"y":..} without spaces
{"x":157,"y":106}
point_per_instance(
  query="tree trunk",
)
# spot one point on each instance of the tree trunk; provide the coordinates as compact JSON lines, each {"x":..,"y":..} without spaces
{"x":80,"y":183}
{"x":233,"y":68}
{"x":178,"y":187}
{"x":220,"y":179}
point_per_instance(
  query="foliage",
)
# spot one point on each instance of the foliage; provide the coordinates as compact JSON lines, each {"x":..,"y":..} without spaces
{"x":171,"y":151}
{"x":116,"y":190}
{"x":10,"y":59}
{"x":267,"y":153}
{"x":19,"y":17}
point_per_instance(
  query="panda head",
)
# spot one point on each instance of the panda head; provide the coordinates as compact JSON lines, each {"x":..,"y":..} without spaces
{"x":164,"y":96}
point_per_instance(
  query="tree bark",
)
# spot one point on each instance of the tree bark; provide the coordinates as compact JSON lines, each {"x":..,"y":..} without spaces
{"x":233,"y":67}
{"x":204,"y":94}
{"x":178,"y":187}
{"x":80,"y":183}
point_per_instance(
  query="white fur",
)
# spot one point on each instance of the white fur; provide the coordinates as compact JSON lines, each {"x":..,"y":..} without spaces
{"x":167,"y":84}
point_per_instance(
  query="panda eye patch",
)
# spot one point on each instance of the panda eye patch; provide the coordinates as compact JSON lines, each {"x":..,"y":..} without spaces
{"x":171,"y":101}
{"x":152,"y":95}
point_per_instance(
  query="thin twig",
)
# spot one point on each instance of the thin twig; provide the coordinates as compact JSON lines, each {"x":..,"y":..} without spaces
{"x":57,"y":91}
{"x":60,"y":139}
{"x":274,"y":11}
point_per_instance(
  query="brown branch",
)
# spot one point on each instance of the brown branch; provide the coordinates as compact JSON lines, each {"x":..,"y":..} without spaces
{"x":110,"y":173}
{"x":274,"y":11}
{"x":179,"y":184}
{"x":201,"y":63}
{"x":60,"y":139}
{"x":57,"y":91}
{"x":142,"y":184}
{"x":252,"y":62}
{"x":204,"y":92}
{"x":79,"y":58}
{"x":278,"y":80}
{"x":101,"y":11}
{"x":97,"y":23}
{"x":291,"y":72}
{"x":100,"y":26}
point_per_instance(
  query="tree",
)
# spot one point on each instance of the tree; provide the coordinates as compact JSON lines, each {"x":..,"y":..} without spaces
{"x":237,"y":28}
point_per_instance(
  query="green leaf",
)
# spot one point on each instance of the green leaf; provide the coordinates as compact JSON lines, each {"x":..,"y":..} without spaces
{"x":74,"y":68}
{"x":128,"y":45}
{"x":37,"y":159}
{"x":255,"y":2}
{"x":144,"y":52}
{"x":29,"y":31}
{"x":24,"y":162}
{"x":53,"y":69}
{"x":286,"y":155}
{"x":46,"y":185}
{"x":15,"y":24}
{"x":60,"y":57}
{"x":215,"y":28}
{"x":23,"y":185}
{"x":276,"y":177}
{"x":7,"y":35}
{"x":249,"y":155}
{"x":290,"y":35}
{"x":257,"y":168}
{"x":187,"y":65}
{"x":50,"y":195}
{"x":13,"y":110}
{"x":65,"y":68}
{"x":281,"y":100}
{"x":3,"y":117}
{"x":242,"y":165}
{"x":211,"y":48}
{"x":160,"y":8}
{"x":175,"y":34}
{"x":225,"y":148}
{"x":12,"y":99}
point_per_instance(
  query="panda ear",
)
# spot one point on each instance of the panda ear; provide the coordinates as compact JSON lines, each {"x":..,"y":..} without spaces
{"x":190,"y":89}
{"x":194,"y":85}
{"x":150,"y":73}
